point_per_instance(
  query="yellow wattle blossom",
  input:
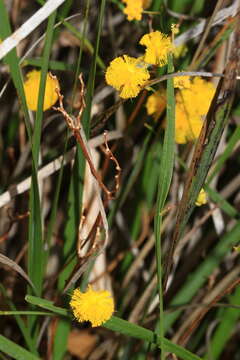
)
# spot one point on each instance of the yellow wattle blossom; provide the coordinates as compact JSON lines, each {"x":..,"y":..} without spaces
{"x":202,"y":198}
{"x":127,"y":75}
{"x":192,"y":105}
{"x":134,"y":8}
{"x":156,"y":104}
{"x":94,"y":306}
{"x":175,"y":29}
{"x":182,"y":82}
{"x":186,"y":128}
{"x":31,"y":88}
{"x":198,"y":97}
{"x":158,"y":46}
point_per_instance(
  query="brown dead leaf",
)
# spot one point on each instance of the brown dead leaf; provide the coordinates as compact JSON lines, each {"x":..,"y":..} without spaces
{"x":81,"y":343}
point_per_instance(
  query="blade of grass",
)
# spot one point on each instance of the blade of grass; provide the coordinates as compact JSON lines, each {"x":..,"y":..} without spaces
{"x":227,"y":322}
{"x":12,"y":61}
{"x":46,"y":304}
{"x":164,"y":182}
{"x":22,"y":312}
{"x":197,"y":278}
{"x":61,"y":339}
{"x":122,"y":326}
{"x":225,"y":155}
{"x":223,"y":204}
{"x":21,"y":324}
{"x":35,"y":251}
{"x":14,"y":266}
{"x":150,"y":173}
{"x":53,"y":64}
{"x":210,"y":50}
{"x":15,"y":351}
{"x":156,"y":6}
{"x":206,"y":147}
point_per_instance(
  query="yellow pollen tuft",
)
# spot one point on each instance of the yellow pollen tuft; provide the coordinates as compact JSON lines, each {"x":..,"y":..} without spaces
{"x":134,"y":8}
{"x":202,"y":198}
{"x":156,"y":104}
{"x":192,"y":105}
{"x":31,"y":88}
{"x":182,"y":82}
{"x":158,"y":46}
{"x":175,"y":29}
{"x":94,"y":306}
{"x":127,"y":75}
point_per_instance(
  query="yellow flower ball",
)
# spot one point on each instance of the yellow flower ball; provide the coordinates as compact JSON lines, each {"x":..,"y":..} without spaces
{"x":202,"y":198}
{"x":156,"y":104}
{"x":197,"y":98}
{"x":182,"y":82}
{"x":94,"y":306}
{"x":31,"y":88}
{"x":134,"y":8}
{"x":158,"y":46}
{"x":186,"y":128}
{"x":192,"y":105}
{"x":127,"y":75}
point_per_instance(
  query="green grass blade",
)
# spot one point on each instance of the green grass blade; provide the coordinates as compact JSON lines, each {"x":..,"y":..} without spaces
{"x":53,"y":214}
{"x":197,"y":182}
{"x":222,"y":203}
{"x":227,"y":322}
{"x":53,"y":64}
{"x":124,"y":327}
{"x":22,"y":312}
{"x":61,"y":338}
{"x":225,"y":155}
{"x":21,"y":324}
{"x":167,"y":156}
{"x":46,"y":304}
{"x":197,"y":278}
{"x":15,"y":351}
{"x":156,"y":6}
{"x":164,"y":182}
{"x":36,"y":252}
{"x":12,"y":61}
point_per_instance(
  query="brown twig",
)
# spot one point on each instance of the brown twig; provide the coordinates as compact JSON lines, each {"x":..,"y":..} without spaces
{"x":74,"y":125}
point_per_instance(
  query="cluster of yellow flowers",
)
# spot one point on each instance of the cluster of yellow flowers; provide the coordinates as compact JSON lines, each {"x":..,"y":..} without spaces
{"x":134,"y":8}
{"x":202,"y":198}
{"x":94,"y":306}
{"x":31,"y":88}
{"x":192,"y":103}
{"x":128,"y":75}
